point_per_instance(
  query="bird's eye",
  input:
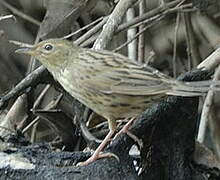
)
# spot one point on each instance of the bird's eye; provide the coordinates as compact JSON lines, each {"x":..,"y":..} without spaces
{"x":48,"y":47}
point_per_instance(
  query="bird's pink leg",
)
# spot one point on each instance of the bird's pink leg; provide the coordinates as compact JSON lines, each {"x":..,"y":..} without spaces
{"x":125,"y":130}
{"x":98,"y":152}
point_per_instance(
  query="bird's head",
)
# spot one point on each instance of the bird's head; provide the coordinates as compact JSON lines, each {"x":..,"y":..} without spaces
{"x":49,"y":52}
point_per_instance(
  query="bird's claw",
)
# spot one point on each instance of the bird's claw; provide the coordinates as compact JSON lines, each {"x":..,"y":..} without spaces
{"x":96,"y":157}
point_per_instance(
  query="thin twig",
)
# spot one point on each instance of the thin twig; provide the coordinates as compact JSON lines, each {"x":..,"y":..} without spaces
{"x":211,"y":62}
{"x":148,"y":15}
{"x":21,"y":44}
{"x":140,"y":32}
{"x":52,"y":104}
{"x":112,"y":23}
{"x":87,"y":38}
{"x":83,"y":28}
{"x":164,"y":12}
{"x":7,"y":17}
{"x":33,"y":135}
{"x":41,"y":96}
{"x":91,"y":32}
{"x":141,"y":43}
{"x":175,"y":44}
{"x":19,"y":13}
{"x":30,"y":124}
{"x":143,"y":20}
{"x":132,"y":47}
{"x":86,"y":133}
{"x":23,"y":85}
{"x":192,"y":48}
{"x":206,"y":109}
{"x":211,"y":33}
{"x":188,"y":32}
{"x":17,"y":110}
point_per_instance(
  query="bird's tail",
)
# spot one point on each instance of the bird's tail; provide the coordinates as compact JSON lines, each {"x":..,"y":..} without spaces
{"x":195,"y":88}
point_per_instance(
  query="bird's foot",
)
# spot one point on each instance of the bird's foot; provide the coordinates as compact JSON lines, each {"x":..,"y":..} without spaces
{"x":95,"y":157}
{"x":98,"y":152}
{"x":125,"y":130}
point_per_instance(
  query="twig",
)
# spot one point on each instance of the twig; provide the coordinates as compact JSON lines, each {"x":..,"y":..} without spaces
{"x":33,"y":63}
{"x":91,"y":32}
{"x":206,"y":109}
{"x":18,"y":110}
{"x":141,"y":43}
{"x":192,"y":48}
{"x":49,"y":106}
{"x":82,"y":29}
{"x":211,"y":62}
{"x":30,"y":124}
{"x":7,"y":17}
{"x":175,"y":44}
{"x":211,"y":33}
{"x":29,"y":80}
{"x":132,"y":47}
{"x":188,"y":33}
{"x":21,"y":44}
{"x":147,"y":15}
{"x":41,"y":96}
{"x":19,"y":13}
{"x":140,"y":32}
{"x":145,"y":19}
{"x":87,"y":38}
{"x":86,"y":133}
{"x":164,"y":12}
{"x":112,"y":23}
{"x":34,"y":132}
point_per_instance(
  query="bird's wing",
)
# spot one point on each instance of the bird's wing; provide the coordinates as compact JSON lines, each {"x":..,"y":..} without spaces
{"x":114,"y":73}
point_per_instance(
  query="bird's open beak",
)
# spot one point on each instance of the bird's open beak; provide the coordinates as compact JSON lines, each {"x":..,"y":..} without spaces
{"x":25,"y":48}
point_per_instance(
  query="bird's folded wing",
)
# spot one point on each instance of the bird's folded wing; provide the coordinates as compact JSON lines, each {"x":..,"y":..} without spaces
{"x":126,"y":81}
{"x":115,"y":73}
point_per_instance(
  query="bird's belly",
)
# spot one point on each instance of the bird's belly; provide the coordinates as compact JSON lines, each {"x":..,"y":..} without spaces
{"x":110,"y":106}
{"x":117,"y":106}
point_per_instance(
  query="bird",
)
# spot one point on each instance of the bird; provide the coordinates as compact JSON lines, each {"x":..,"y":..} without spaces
{"x":109,"y":83}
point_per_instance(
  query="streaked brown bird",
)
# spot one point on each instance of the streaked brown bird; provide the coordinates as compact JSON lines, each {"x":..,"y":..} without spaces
{"x":109,"y":83}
